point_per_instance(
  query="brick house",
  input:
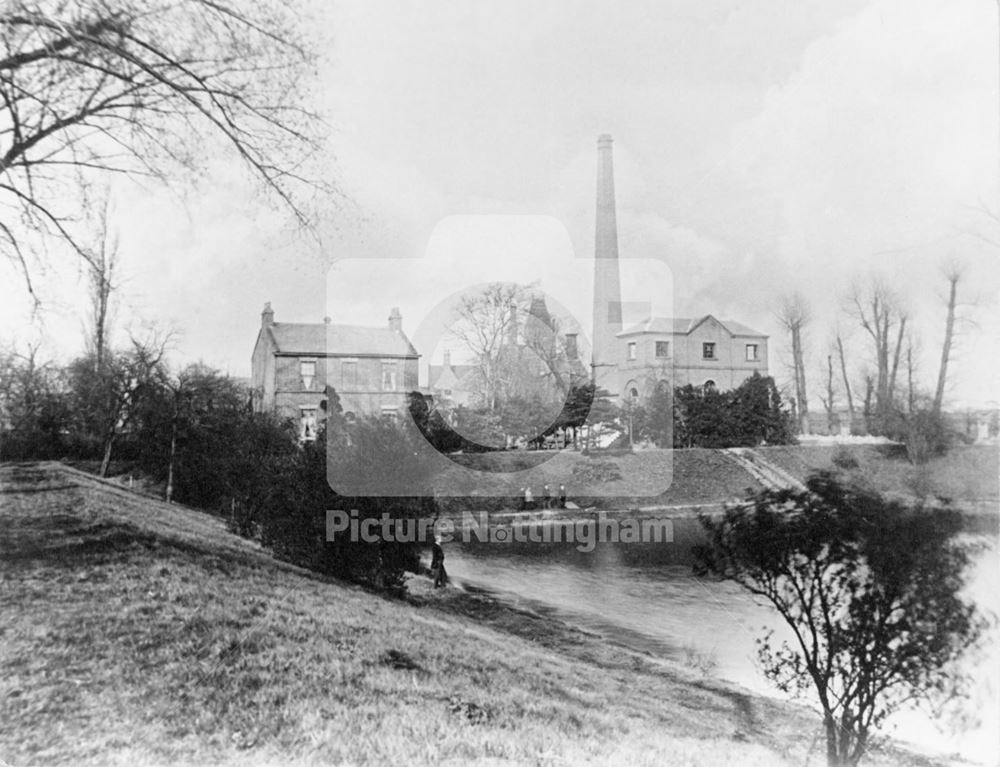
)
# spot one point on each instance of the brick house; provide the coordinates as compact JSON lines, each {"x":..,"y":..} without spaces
{"x":371,"y":368}
{"x":455,"y":383}
{"x":703,"y":352}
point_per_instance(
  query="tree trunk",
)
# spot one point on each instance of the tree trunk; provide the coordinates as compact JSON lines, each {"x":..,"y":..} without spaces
{"x":949,"y":330}
{"x":832,"y":753}
{"x":895,"y":361}
{"x":106,"y":460}
{"x":847,"y":384}
{"x":801,"y":397}
{"x":909,"y":379}
{"x":829,"y":395}
{"x":170,"y":465}
{"x":869,"y":390}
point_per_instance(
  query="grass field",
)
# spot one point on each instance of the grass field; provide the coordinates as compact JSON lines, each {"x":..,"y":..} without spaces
{"x":698,"y":476}
{"x":669,"y":477}
{"x":965,"y":473}
{"x":140,"y":633}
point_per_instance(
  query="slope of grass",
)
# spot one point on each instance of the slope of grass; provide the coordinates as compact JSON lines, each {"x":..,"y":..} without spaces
{"x":652,"y":476}
{"x":139,"y":633}
{"x":965,"y":473}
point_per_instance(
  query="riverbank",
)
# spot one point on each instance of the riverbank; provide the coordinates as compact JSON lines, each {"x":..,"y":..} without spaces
{"x":138,"y":632}
{"x":694,"y":477}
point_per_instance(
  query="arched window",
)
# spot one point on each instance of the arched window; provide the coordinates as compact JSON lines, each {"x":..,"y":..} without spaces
{"x":631,"y":392}
{"x":709,"y":385}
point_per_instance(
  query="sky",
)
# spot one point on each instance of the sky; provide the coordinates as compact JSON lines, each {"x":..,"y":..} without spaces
{"x":760,"y":148}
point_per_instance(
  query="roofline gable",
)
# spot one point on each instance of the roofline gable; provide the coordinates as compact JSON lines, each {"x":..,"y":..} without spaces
{"x":705,"y":319}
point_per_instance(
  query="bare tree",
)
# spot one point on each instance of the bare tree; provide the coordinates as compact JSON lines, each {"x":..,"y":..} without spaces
{"x":107,"y":401}
{"x":878,"y":311}
{"x":102,"y":265}
{"x":33,"y":406}
{"x":869,"y":411}
{"x":953,"y":275}
{"x":828,"y":401}
{"x":847,"y":381}
{"x":910,"y":368}
{"x":96,"y":88}
{"x":485,"y":324}
{"x":794,"y":315}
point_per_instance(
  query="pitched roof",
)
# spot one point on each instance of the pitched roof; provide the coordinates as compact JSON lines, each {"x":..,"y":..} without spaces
{"x":448,"y":376}
{"x":321,"y":339}
{"x":683,"y":326}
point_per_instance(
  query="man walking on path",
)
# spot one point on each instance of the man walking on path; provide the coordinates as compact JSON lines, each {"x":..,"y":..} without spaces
{"x":437,"y":564}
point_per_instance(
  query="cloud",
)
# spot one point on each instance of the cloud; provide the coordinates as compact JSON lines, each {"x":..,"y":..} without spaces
{"x":873,"y":156}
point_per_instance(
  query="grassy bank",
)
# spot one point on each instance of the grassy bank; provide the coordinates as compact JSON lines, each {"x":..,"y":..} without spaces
{"x":669,"y":477}
{"x":140,"y":633}
{"x":969,"y":473}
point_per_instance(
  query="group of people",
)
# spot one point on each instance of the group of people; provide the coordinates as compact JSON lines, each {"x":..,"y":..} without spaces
{"x":547,"y":501}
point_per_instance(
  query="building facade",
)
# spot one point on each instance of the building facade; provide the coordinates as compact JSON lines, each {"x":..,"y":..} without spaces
{"x":294,"y":366}
{"x":704,"y":352}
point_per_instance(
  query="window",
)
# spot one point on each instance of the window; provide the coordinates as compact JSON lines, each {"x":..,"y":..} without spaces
{"x":390,"y":412}
{"x":709,"y":385}
{"x":631,"y":350}
{"x":662,"y":349}
{"x":708,"y":350}
{"x":349,"y":375}
{"x":307,"y":424}
{"x":307,"y":371}
{"x":752,"y":353}
{"x":389,"y":376}
{"x":633,"y":393}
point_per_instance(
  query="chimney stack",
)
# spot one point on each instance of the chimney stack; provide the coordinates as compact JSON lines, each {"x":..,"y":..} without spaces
{"x":512,"y":326}
{"x":395,"y":320}
{"x":571,"y":349}
{"x":607,"y":282}
{"x":267,"y":316}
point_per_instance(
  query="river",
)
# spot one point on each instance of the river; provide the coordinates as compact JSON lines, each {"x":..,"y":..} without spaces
{"x":646,"y":597}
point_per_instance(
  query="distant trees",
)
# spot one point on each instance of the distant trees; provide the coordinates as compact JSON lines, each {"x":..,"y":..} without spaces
{"x":34,"y":406}
{"x":98,"y":88}
{"x":879,"y":312}
{"x":870,"y":589}
{"x":108,"y":394}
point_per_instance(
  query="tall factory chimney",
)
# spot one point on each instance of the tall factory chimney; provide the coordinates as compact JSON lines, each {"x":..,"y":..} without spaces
{"x":607,"y":282}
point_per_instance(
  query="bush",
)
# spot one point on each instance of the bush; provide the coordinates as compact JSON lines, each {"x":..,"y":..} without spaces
{"x":843,"y":459}
{"x":923,"y":432}
{"x":747,"y":416}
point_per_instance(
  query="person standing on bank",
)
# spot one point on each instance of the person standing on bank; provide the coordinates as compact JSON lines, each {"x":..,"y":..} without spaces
{"x":548,"y":497}
{"x":437,"y":564}
{"x":562,"y":496}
